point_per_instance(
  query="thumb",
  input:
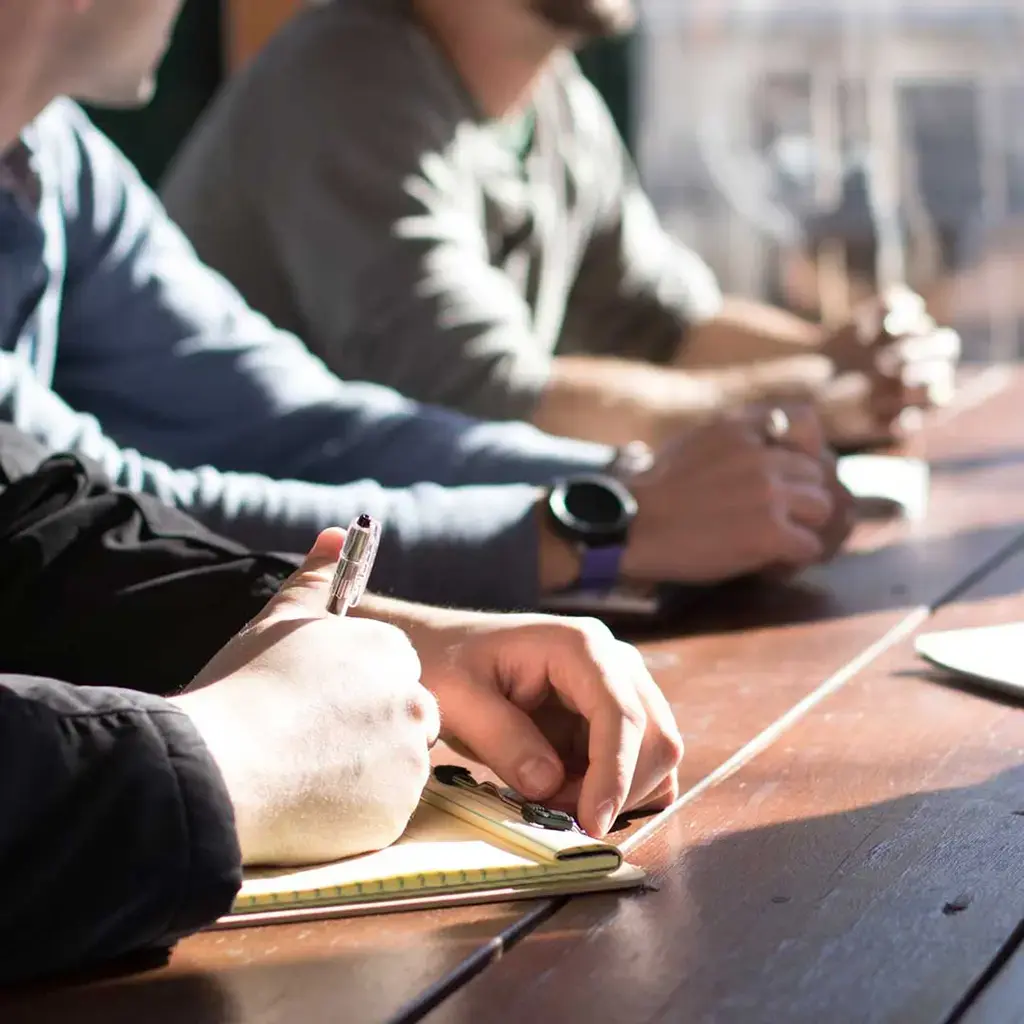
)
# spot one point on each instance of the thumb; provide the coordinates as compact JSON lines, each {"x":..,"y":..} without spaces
{"x":505,"y":738}
{"x":308,"y":586}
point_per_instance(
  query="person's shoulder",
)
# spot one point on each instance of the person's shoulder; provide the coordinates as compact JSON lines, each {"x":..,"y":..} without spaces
{"x":63,"y":141}
{"x":361,"y":48}
{"x":61,"y":124}
{"x":577,"y":102}
{"x":355,"y":82}
{"x":390,"y":21}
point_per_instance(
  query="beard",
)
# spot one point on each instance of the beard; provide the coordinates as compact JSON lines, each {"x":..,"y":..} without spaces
{"x":589,"y":18}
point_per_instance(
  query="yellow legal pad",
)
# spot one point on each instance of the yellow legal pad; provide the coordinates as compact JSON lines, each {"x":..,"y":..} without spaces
{"x":459,"y":847}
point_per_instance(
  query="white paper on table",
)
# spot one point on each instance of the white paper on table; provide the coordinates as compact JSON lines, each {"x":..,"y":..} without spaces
{"x":887,"y":485}
{"x":992,"y":656}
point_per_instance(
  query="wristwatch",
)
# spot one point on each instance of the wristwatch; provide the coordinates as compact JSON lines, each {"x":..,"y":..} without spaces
{"x":594,"y":512}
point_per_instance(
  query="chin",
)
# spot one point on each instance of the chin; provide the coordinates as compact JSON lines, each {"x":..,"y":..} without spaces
{"x":125,"y":94}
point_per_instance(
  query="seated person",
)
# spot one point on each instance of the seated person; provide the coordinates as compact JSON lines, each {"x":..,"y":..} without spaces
{"x":433,"y":197}
{"x":146,"y":778}
{"x":116,"y":343}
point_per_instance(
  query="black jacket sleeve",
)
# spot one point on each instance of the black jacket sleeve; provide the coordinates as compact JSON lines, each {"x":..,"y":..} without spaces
{"x":116,"y":832}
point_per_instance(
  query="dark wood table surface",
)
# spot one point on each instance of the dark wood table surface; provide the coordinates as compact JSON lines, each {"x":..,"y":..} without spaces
{"x":849,"y":845}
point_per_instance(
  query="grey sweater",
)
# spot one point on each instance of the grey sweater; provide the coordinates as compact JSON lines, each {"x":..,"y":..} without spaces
{"x":118,"y":344}
{"x":348,"y":186}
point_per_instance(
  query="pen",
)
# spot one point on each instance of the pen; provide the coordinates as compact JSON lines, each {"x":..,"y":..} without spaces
{"x":355,"y":565}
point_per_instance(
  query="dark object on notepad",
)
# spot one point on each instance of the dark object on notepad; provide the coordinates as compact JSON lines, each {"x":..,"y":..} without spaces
{"x":532,"y":813}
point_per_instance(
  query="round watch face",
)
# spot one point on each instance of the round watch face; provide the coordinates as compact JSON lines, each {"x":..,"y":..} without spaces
{"x":594,"y":510}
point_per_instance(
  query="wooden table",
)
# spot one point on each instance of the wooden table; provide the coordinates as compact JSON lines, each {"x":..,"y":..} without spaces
{"x":849,"y":846}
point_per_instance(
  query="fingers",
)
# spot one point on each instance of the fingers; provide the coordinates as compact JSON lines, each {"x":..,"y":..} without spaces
{"x":307,"y":588}
{"x":617,"y":726}
{"x":655,"y":783}
{"x":663,"y":796}
{"x":805,"y":433}
{"x":588,"y":669}
{"x":504,"y":737}
{"x":937,"y":346}
{"x":801,"y":503}
{"x":633,"y":740}
{"x":793,"y":544}
{"x":808,"y":506}
{"x":423,"y":707}
{"x":916,"y":371}
{"x":795,"y":467}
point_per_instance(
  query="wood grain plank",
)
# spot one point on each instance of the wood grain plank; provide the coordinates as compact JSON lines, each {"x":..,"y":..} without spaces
{"x":866,"y":867}
{"x":1001,"y":1000}
{"x":364,"y":969}
{"x":723,"y":677}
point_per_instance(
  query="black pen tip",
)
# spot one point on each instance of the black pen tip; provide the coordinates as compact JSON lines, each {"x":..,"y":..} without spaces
{"x":364,"y":521}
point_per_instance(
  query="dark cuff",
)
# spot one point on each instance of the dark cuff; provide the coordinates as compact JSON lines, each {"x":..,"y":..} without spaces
{"x":213,"y":870}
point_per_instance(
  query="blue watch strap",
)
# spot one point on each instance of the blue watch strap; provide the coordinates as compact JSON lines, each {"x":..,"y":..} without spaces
{"x":600,"y":568}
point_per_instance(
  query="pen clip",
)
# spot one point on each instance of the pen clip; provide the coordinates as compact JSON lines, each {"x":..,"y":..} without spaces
{"x":532,"y":813}
{"x":362,"y":578}
{"x":352,"y":574}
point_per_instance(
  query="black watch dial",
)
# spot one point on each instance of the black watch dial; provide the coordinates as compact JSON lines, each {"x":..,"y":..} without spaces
{"x":592,"y":510}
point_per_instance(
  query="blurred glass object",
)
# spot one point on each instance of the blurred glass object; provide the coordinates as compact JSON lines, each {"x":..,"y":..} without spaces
{"x":818,"y":151}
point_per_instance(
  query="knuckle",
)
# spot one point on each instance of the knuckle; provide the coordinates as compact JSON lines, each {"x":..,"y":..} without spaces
{"x":417,"y":707}
{"x":631,"y":657}
{"x":669,"y":750}
{"x":631,"y":711}
{"x":305,"y":579}
{"x":429,"y":715}
{"x":588,"y":633}
{"x":391,"y":642}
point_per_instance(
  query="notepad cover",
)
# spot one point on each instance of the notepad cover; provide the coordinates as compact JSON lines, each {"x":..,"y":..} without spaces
{"x":457,"y":849}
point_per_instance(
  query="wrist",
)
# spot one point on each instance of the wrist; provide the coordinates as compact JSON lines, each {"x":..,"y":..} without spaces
{"x":415,"y":620}
{"x":590,"y":514}
{"x":559,"y":559}
{"x":224,"y":742}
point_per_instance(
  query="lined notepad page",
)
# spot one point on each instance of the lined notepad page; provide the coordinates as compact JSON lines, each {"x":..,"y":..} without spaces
{"x":437,"y":852}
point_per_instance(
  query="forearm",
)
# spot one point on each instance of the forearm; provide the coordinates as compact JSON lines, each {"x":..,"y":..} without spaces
{"x":745,"y":332}
{"x":614,"y":402}
{"x":617,"y":402}
{"x":464,"y":547}
{"x":550,"y":562}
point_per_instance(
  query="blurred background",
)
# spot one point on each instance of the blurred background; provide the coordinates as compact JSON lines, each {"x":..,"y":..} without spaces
{"x":815,"y":149}
{"x":811,"y":150}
